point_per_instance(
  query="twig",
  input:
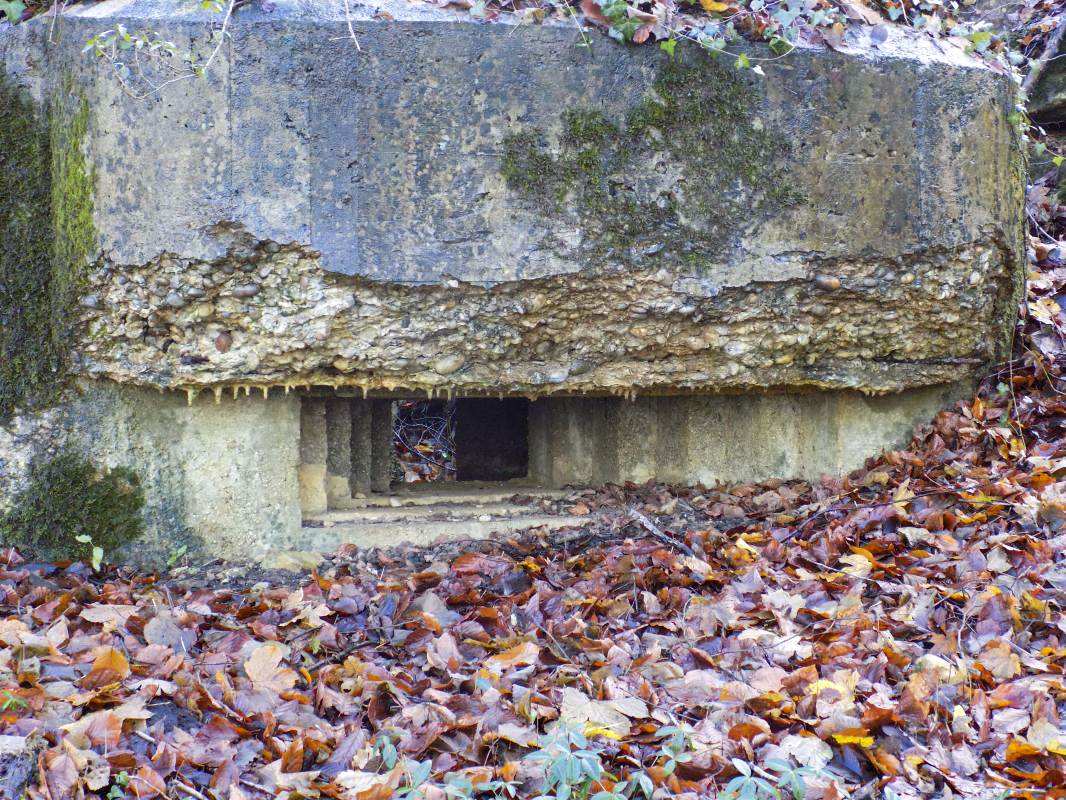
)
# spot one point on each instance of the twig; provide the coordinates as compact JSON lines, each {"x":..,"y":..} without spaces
{"x":1049,"y":53}
{"x":351,"y":30}
{"x":659,"y":534}
{"x":191,"y":792}
{"x":257,"y":786}
{"x":221,"y":36}
{"x":144,"y":736}
{"x":340,"y":654}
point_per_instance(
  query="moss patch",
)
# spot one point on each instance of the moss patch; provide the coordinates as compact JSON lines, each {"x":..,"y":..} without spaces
{"x":46,"y":241}
{"x":67,"y":496}
{"x":702,"y":121}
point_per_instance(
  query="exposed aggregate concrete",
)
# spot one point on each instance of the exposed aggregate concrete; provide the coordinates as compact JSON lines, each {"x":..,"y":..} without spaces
{"x":268,"y":315}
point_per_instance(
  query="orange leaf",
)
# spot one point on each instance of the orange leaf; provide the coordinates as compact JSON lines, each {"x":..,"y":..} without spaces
{"x":264,"y":668}
{"x":643,"y":32}
{"x":60,"y":774}
{"x":146,"y":783}
{"x":110,"y":667}
{"x":521,"y":655}
{"x":713,"y":5}
{"x":111,"y":658}
{"x":592,"y":11}
{"x":1018,"y":749}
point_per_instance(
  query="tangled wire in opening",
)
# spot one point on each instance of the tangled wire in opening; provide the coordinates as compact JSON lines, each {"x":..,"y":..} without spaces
{"x":423,"y":436}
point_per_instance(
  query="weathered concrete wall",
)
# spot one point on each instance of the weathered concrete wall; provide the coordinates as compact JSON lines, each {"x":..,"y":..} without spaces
{"x":218,"y":477}
{"x":461,"y":208}
{"x":730,"y":438}
{"x":440,"y":210}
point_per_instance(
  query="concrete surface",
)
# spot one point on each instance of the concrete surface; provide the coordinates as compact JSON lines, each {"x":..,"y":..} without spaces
{"x":470,"y":207}
{"x":219,"y":477}
{"x":729,"y":438}
{"x":431,"y":514}
{"x":786,"y":271}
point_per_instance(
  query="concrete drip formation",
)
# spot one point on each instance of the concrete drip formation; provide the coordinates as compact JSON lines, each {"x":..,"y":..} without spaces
{"x":624,"y":266}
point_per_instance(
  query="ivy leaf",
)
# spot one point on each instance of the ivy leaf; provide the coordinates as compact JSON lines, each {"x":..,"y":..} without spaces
{"x":12,"y":9}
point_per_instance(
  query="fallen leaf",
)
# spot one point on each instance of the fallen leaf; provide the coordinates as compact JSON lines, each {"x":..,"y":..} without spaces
{"x":521,"y":655}
{"x":264,"y":668}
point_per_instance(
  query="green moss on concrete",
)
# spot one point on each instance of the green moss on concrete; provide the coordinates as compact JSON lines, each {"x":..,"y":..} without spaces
{"x":702,"y":120}
{"x":72,"y":206}
{"x":67,"y":497}
{"x":46,"y":241}
{"x":28,"y":358}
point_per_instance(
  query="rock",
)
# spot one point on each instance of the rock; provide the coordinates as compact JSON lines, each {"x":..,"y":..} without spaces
{"x":1047,"y":105}
{"x":247,"y":290}
{"x":18,"y":764}
{"x":448,"y":364}
{"x":827,"y":282}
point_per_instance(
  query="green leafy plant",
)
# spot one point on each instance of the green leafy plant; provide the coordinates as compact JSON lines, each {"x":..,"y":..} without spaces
{"x":144,"y":62}
{"x":10,"y":701}
{"x":673,"y":750}
{"x":12,"y":9}
{"x":791,"y":778}
{"x":177,"y":554}
{"x":747,"y":785}
{"x":755,"y":782}
{"x":118,"y":788}
{"x":97,"y":554}
{"x":416,"y":774}
{"x":571,"y":767}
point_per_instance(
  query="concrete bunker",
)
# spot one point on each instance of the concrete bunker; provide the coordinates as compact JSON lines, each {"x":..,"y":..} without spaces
{"x":619,"y":280}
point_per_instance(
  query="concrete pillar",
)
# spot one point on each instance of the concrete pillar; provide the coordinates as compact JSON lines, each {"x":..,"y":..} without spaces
{"x":338,"y":452}
{"x":359,"y":452}
{"x":371,"y":451}
{"x":313,"y":453}
{"x":382,"y":451}
{"x":574,"y":440}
